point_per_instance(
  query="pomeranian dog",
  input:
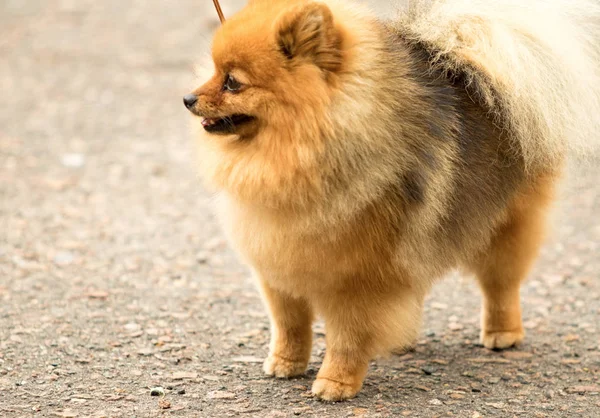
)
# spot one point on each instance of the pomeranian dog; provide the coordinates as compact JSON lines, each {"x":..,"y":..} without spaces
{"x":356,"y":161}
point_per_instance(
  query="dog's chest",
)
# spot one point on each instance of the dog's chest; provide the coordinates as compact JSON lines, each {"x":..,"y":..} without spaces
{"x":291,"y":255}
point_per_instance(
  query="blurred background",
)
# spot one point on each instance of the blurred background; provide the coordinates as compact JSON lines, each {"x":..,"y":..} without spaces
{"x":115,"y":278}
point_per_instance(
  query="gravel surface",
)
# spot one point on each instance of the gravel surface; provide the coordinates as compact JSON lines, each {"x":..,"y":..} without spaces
{"x":120,"y":298}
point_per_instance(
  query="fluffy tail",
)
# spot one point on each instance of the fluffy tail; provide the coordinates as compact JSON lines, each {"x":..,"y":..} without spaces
{"x":534,"y":64}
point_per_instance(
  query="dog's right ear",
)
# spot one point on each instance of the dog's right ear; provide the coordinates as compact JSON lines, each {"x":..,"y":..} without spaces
{"x":308,"y":33}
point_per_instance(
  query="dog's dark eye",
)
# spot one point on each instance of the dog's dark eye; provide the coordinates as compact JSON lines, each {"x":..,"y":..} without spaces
{"x":231,"y":84}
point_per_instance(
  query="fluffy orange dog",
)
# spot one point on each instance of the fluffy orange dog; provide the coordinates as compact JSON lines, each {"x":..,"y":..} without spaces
{"x":358,"y":160}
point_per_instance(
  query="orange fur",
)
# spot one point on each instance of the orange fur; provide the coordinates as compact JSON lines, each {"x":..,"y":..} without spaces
{"x":502,"y":268}
{"x":359,"y":176}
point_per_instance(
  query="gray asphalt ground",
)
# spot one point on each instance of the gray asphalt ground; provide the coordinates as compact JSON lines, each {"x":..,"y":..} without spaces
{"x":115,"y":278}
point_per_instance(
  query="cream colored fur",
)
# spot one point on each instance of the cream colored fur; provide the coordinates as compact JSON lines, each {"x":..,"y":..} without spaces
{"x":536,"y":62}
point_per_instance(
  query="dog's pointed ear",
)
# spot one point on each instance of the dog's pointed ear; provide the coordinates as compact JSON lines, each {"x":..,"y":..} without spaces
{"x":308,"y":32}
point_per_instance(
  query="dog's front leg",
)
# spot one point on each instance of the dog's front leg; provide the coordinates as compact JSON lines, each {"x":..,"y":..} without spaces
{"x":359,"y":327}
{"x":291,"y":333}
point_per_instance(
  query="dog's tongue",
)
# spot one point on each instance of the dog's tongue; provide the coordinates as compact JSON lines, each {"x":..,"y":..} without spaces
{"x":209,"y":121}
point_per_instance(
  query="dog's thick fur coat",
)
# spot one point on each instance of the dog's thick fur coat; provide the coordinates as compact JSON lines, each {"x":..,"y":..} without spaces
{"x":375,"y":157}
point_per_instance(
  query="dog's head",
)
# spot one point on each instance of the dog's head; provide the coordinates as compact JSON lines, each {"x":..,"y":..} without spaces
{"x":289,"y":102}
{"x":273,"y":65}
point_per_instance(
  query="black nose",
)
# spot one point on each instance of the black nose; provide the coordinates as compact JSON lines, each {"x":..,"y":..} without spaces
{"x":189,"y":100}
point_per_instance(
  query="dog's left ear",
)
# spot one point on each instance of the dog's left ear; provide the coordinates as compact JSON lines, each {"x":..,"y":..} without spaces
{"x":307,"y":32}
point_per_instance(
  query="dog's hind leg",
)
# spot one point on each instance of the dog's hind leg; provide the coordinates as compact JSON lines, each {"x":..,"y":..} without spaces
{"x":502,"y":268}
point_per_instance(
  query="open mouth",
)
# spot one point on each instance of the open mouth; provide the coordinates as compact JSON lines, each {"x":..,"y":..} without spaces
{"x":227,"y":124}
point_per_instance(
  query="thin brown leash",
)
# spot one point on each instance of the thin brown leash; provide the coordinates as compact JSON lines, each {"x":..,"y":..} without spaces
{"x":219,"y":11}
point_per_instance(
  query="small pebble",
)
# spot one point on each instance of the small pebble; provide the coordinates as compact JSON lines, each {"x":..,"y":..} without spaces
{"x":428,"y":370}
{"x":157,"y":391}
{"x":64,"y":258}
{"x":164,"y":404}
{"x":73,"y":160}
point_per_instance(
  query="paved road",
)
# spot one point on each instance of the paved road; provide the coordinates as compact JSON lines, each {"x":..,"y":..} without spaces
{"x":114,"y":278}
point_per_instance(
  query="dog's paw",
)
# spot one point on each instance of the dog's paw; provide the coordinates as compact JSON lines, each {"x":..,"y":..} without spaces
{"x":283,"y":368}
{"x":501,"y":339}
{"x":401,"y":351}
{"x":329,"y":390}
